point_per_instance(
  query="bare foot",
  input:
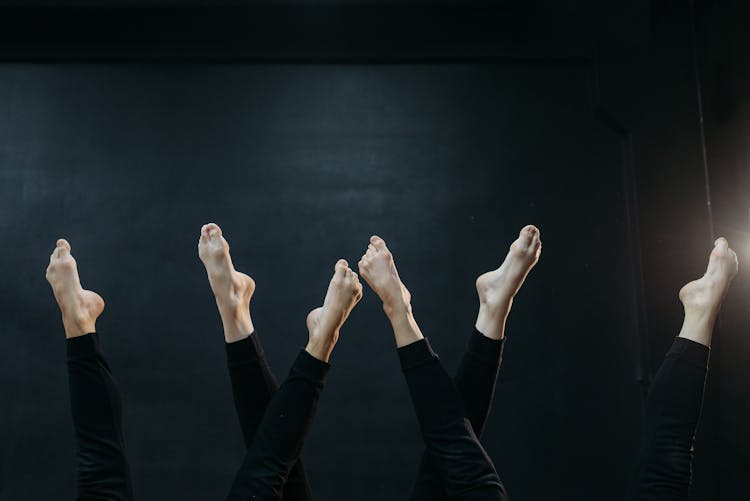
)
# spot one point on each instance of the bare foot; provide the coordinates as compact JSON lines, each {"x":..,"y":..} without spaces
{"x":231,"y":288}
{"x":80,"y":308}
{"x":702,"y":298}
{"x":379,"y":271}
{"x":324,"y":323}
{"x":497,"y":288}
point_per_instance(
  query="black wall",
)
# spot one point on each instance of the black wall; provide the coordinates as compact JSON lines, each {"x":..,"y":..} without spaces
{"x":301,"y":151}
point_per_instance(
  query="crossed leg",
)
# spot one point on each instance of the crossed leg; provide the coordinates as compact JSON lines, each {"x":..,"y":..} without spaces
{"x":455,"y":465}
{"x":477,"y":373}
{"x":675,"y":399}
{"x":275,"y":423}
{"x":253,"y":382}
{"x":96,"y":405}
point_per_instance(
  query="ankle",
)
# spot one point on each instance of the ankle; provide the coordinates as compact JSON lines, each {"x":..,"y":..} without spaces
{"x":79,"y":325}
{"x":699,"y":319}
{"x":496,"y":308}
{"x":237,"y":325}
{"x":698,"y":325}
{"x":405,"y":329}
{"x":701,"y":313}
{"x":321,"y":345}
{"x":397,"y":311}
{"x":237,"y":332}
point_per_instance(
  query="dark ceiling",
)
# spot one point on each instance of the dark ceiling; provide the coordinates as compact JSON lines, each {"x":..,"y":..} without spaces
{"x":314,"y":29}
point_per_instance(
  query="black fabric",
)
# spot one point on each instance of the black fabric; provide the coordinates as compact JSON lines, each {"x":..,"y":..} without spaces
{"x":103,"y":469}
{"x":278,"y":441}
{"x":673,"y":409}
{"x":475,"y":381}
{"x":253,"y":385}
{"x":463,"y":466}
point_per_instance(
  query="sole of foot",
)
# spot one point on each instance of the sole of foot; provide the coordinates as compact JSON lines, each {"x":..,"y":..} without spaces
{"x":705,"y":295}
{"x":324,"y":323}
{"x":79,"y":307}
{"x":497,"y":288}
{"x":378,"y":269}
{"x":232,"y":289}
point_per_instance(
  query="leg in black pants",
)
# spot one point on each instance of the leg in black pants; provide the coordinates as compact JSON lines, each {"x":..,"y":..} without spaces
{"x":253,"y":386}
{"x":274,"y":422}
{"x":465,"y":469}
{"x":674,"y":402}
{"x":475,"y":382}
{"x":477,"y":373}
{"x":281,"y":433}
{"x":103,"y":470}
{"x":457,"y":466}
{"x":253,"y":383}
{"x":672,"y":413}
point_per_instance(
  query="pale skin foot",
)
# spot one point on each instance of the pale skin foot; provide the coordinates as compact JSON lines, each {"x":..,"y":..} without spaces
{"x":379,"y":271}
{"x":702,"y":298}
{"x":497,"y":288}
{"x":231,"y":288}
{"x":324,"y":323}
{"x":79,"y":307}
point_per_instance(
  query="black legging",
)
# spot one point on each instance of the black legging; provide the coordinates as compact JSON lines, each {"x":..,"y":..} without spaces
{"x":462,"y":465}
{"x":673,"y":410}
{"x":274,"y":431}
{"x":278,"y":440}
{"x":253,"y":386}
{"x":475,"y":381}
{"x":103,"y":469}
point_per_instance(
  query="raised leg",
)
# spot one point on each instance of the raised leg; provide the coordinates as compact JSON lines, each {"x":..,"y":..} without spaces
{"x":675,"y":399}
{"x":465,"y":470}
{"x":287,"y":417}
{"x":253,"y":382}
{"x":477,"y":373}
{"x":96,"y":405}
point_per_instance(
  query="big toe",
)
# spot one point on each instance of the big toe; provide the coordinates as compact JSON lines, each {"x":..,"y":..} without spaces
{"x":211,"y":230}
{"x":528,"y":234}
{"x":62,"y":247}
{"x":378,"y":243}
{"x":340,"y":268}
{"x":723,"y":260}
{"x":719,"y":253}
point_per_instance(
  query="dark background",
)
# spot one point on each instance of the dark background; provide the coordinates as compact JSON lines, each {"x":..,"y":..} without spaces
{"x":302,"y":129}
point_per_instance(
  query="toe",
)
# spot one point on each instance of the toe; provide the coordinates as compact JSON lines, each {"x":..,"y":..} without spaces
{"x":340,"y":268}
{"x":528,"y":232}
{"x":536,"y":242}
{"x":62,"y":247}
{"x":378,"y":242}
{"x":212,"y":230}
{"x":60,"y":252}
